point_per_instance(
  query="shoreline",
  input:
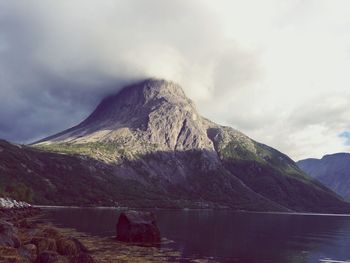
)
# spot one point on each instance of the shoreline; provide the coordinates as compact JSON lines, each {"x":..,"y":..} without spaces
{"x":26,"y":238}
{"x":37,"y":235}
{"x":194,"y":209}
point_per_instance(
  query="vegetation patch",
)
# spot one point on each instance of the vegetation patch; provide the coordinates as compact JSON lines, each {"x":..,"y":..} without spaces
{"x":106,"y":151}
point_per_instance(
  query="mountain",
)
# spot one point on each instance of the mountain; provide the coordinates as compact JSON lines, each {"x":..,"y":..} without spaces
{"x":64,"y":179}
{"x":51,"y":178}
{"x":332,"y":170}
{"x":147,"y":145}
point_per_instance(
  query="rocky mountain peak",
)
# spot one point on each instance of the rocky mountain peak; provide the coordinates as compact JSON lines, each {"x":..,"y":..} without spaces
{"x":141,"y":99}
{"x":159,"y":88}
{"x":154,"y":112}
{"x":150,"y":91}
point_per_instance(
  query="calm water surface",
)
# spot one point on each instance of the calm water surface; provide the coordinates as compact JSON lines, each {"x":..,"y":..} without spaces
{"x":229,"y":236}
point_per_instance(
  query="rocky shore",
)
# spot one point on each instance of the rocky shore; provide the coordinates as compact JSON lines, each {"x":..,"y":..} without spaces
{"x":25,"y":237}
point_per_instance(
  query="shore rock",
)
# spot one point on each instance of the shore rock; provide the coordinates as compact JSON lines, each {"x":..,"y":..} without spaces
{"x":50,"y":232}
{"x":138,"y":227}
{"x":44,"y":244}
{"x":11,"y":203}
{"x":51,"y":257}
{"x":8,"y":235}
{"x":40,"y":243}
{"x":28,"y":251}
{"x":83,"y":258}
{"x":66,"y":246}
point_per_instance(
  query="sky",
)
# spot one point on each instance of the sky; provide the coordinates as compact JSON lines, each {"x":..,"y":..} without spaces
{"x":277,"y":70}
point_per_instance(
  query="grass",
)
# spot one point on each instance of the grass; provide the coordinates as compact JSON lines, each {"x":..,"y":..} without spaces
{"x":109,"y":152}
{"x":105,"y":151}
{"x":236,"y":151}
{"x":262,"y":155}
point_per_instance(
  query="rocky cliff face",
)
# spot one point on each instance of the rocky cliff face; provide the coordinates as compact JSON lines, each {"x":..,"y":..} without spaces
{"x":155,"y":112}
{"x":332,"y":170}
{"x":150,"y":133}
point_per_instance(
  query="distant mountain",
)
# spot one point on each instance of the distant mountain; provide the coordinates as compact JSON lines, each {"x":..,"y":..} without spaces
{"x":332,"y":170}
{"x":147,"y":145}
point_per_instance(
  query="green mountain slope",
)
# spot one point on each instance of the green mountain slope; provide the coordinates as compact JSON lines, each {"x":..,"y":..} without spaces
{"x":61,"y":179}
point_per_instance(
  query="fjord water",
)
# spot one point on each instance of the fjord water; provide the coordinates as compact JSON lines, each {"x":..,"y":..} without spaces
{"x":228,"y":236}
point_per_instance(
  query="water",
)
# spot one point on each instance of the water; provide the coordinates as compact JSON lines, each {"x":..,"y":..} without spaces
{"x":229,"y":236}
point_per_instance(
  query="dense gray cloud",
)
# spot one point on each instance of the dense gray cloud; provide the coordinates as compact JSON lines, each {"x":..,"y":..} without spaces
{"x":58,"y":59}
{"x":278,"y":71}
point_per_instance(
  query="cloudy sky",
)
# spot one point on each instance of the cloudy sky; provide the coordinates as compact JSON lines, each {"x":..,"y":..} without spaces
{"x":278,"y":70}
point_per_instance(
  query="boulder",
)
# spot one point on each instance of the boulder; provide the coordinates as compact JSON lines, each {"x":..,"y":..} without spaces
{"x":51,"y":257}
{"x":70,"y":246}
{"x":8,"y":235}
{"x":28,"y":251}
{"x":66,"y":246}
{"x":50,"y":232}
{"x":82,"y":258}
{"x":138,"y":227}
{"x":44,"y":244}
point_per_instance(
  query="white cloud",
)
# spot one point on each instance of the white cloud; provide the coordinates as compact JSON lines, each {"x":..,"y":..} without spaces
{"x":299,"y":104}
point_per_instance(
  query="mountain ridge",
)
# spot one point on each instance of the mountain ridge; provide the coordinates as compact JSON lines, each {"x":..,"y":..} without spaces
{"x":332,"y":170}
{"x":151,"y":134}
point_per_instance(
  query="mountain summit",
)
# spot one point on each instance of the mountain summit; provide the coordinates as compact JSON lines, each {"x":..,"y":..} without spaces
{"x":154,"y":149}
{"x":153,"y":113}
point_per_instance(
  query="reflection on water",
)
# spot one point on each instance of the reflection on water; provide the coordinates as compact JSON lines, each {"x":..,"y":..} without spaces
{"x":229,"y":236}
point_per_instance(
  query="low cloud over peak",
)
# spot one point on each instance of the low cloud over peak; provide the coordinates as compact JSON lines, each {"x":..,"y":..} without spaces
{"x":268,"y":71}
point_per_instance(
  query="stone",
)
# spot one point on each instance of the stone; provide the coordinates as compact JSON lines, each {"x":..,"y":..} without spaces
{"x":82,"y":258}
{"x":51,"y":257}
{"x":11,"y":203}
{"x":66,"y":246}
{"x":137,"y":227}
{"x":8,"y":235}
{"x":43,"y":244}
{"x":28,"y":251}
{"x":50,"y":232}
